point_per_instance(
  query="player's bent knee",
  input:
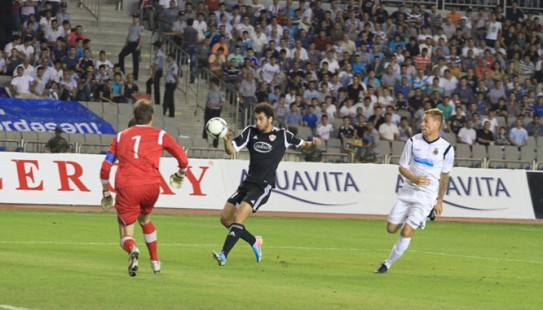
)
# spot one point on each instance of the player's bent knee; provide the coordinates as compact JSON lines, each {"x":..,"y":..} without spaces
{"x":392,"y":228}
{"x":144,"y":219}
{"x":407,"y":231}
{"x":226,"y":222}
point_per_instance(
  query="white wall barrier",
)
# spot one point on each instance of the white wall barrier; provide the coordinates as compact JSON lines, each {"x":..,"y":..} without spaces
{"x":73,"y":179}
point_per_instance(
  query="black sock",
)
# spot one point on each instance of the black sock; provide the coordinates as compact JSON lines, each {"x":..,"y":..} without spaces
{"x":248,"y":237}
{"x":236,"y":231}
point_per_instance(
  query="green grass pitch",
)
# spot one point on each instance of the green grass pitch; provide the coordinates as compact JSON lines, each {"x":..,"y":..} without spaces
{"x":72,"y":260}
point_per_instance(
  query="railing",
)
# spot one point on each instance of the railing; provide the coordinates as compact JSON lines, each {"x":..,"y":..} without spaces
{"x":93,"y":7}
{"x":526,"y":5}
{"x":232,"y":96}
{"x":203,"y":77}
{"x":184,"y":61}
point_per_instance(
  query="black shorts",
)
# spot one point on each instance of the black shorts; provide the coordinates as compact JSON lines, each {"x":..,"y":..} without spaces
{"x":254,"y":194}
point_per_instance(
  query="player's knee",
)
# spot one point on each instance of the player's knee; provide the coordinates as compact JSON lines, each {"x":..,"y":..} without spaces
{"x":144,"y":219}
{"x":392,"y":228}
{"x":226,"y":222}
{"x":407,"y":231}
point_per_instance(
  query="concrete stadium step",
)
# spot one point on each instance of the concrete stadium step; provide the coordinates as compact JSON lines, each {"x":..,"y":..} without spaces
{"x":111,"y":35}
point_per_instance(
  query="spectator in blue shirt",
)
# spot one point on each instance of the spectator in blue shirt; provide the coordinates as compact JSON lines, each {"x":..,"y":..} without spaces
{"x":395,"y":43}
{"x":358,"y":65}
{"x":310,"y":119}
{"x":482,"y":105}
{"x":403,"y":88}
{"x":274,"y":97}
{"x":293,"y":119}
{"x":518,"y":135}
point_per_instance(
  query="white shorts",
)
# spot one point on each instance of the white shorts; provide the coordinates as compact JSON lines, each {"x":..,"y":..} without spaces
{"x":412,"y":213}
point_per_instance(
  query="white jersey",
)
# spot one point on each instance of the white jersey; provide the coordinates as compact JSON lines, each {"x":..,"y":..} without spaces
{"x":425,"y":158}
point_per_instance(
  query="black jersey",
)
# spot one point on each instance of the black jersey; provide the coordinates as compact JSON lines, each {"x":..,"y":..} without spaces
{"x":265,"y":151}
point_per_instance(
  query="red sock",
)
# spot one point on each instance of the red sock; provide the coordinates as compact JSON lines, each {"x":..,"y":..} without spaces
{"x":149,"y":234}
{"x":128,"y":243}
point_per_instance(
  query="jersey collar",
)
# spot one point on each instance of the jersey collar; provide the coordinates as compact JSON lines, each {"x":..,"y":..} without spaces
{"x":430,"y":142}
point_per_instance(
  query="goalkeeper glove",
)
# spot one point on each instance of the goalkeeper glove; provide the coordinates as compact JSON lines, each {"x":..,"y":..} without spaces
{"x":107,"y":201}
{"x":176,"y":179}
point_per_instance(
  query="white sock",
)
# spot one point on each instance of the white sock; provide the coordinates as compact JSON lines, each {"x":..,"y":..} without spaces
{"x":397,"y":251}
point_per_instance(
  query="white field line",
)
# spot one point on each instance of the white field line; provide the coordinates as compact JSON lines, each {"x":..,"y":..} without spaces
{"x":187,"y":245}
{"x":8,"y":307}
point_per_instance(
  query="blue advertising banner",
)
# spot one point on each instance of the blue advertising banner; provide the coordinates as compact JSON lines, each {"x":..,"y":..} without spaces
{"x":45,"y":115}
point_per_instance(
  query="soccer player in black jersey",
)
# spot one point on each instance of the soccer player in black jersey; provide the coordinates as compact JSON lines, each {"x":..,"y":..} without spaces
{"x":267,"y":145}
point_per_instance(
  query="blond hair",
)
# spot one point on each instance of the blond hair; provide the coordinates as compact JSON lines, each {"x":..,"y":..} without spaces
{"x":436,"y":113}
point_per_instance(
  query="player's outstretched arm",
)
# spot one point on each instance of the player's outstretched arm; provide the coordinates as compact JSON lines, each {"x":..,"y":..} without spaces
{"x":312,"y":143}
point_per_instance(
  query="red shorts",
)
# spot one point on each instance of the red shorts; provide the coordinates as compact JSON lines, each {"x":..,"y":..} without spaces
{"x":132,"y":201}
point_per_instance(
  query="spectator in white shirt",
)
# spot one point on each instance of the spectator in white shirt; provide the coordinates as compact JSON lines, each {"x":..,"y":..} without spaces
{"x":388,"y":131}
{"x":22,"y":86}
{"x":492,"y":119}
{"x":324,"y":128}
{"x":467,"y":134}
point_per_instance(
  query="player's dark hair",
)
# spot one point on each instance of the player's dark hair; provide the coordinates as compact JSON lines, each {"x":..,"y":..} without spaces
{"x":143,"y":112}
{"x":265,"y":108}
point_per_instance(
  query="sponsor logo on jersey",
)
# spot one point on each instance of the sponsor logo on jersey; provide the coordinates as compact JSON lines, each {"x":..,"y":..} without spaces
{"x":262,"y":147}
{"x":424,"y":161}
{"x":272,"y":138}
{"x":255,"y":137}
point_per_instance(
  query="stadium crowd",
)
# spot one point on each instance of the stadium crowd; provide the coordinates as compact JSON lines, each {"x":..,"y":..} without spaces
{"x":49,"y":57}
{"x":363,"y":70}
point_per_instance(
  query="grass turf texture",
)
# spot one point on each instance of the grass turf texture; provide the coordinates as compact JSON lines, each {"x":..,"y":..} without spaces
{"x":68,"y":260}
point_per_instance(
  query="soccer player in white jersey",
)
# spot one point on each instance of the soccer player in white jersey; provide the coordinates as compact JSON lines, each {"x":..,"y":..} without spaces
{"x":425,"y":165}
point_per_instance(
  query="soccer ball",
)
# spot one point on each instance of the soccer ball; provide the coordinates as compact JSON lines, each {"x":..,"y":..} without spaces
{"x":216,"y":128}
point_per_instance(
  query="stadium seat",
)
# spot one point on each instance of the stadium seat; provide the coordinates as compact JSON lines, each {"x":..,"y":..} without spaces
{"x":502,"y":121}
{"x":105,"y":140}
{"x":397,"y":150}
{"x":528,"y":157}
{"x":532,"y":143}
{"x":76,"y":140}
{"x":450,"y":137}
{"x":384,"y":151}
{"x":512,"y":157}
{"x":10,"y":140}
{"x":123,"y":120}
{"x":109,"y":108}
{"x":92,"y":144}
{"x":495,"y":157}
{"x":334,"y":143}
{"x":479,"y":156}
{"x":125,"y":108}
{"x":463,"y":157}
{"x":304,"y":132}
{"x":95,"y":107}
{"x":111,"y":118}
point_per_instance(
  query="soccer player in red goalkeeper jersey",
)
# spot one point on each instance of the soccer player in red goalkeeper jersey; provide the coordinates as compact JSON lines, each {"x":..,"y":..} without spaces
{"x":137,"y":151}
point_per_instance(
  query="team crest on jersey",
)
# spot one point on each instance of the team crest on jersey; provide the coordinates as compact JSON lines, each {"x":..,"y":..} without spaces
{"x":272,"y":138}
{"x":436,"y":151}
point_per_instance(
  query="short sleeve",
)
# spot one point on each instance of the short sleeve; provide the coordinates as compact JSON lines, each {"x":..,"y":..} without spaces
{"x":448,"y":160}
{"x":291,"y":139}
{"x":241,"y":141}
{"x":407,"y":154}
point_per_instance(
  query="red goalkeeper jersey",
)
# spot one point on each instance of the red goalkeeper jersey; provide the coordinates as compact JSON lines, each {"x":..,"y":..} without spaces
{"x":138,"y":150}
